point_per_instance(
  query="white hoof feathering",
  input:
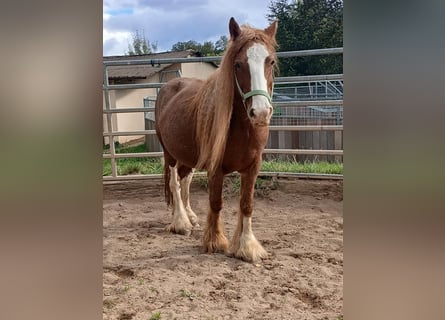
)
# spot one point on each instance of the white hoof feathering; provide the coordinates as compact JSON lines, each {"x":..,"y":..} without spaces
{"x":192,"y":217}
{"x":181,"y":223}
{"x":185,"y":196}
{"x":244,"y":244}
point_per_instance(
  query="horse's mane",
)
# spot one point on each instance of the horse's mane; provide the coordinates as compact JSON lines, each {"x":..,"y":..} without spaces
{"x":214,"y":101}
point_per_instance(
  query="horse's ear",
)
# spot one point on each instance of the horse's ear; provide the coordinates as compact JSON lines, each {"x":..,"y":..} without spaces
{"x":234,"y":29}
{"x":272,"y":29}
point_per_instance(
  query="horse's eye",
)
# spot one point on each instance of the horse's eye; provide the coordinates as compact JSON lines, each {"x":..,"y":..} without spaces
{"x":272,"y":62}
{"x":237,"y":65}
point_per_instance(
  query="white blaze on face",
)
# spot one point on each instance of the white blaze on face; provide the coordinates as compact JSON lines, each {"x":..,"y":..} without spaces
{"x":256,"y":55}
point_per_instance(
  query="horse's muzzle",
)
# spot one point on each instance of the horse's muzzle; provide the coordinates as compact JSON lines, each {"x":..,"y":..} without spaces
{"x":260,"y":113}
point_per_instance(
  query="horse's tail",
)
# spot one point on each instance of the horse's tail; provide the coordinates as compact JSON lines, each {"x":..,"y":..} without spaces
{"x":167,"y":191}
{"x":160,"y":102}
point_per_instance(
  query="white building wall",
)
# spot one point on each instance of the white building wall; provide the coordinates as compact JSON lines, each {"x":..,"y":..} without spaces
{"x":134,"y":98}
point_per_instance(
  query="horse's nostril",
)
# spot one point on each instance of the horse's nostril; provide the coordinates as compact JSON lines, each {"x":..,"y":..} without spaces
{"x":251,"y":113}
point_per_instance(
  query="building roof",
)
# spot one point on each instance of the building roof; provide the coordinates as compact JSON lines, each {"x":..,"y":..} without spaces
{"x":143,"y":71}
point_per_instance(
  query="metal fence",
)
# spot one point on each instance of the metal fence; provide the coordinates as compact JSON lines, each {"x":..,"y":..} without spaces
{"x":304,"y":106}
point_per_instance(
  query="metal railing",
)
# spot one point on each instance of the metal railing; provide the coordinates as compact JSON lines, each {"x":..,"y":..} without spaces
{"x":108,"y":111}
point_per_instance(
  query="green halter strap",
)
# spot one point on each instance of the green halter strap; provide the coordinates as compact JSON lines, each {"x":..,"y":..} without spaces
{"x":252,"y":93}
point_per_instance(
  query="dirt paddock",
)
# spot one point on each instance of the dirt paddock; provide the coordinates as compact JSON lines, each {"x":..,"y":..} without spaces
{"x":152,"y":274}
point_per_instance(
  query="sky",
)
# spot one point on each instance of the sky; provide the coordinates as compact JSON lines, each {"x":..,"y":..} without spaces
{"x":171,"y":21}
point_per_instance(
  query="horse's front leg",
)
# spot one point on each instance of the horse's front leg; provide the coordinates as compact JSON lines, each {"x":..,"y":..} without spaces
{"x":244,"y":245}
{"x":214,"y":238}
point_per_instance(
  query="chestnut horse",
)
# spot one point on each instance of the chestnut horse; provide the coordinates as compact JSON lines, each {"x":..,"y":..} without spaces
{"x":220,"y":125}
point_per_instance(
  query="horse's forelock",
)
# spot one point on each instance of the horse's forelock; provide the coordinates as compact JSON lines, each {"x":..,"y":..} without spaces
{"x":250,"y":34}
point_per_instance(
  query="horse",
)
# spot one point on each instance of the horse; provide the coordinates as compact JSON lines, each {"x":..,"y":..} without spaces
{"x":220,"y":125}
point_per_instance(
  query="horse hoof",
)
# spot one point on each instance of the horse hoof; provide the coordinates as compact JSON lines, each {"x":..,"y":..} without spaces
{"x":218,"y":243}
{"x":251,"y":251}
{"x":252,"y":257}
{"x":194,"y":221}
{"x":174,"y":229}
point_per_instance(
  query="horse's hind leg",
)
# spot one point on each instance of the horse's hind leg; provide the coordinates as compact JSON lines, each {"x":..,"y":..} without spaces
{"x":181,"y":223}
{"x":214,"y":238}
{"x":244,"y":245}
{"x":185,"y":193}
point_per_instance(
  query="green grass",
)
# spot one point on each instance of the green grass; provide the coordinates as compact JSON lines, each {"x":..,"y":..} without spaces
{"x":153,"y":165}
{"x":133,"y":166}
{"x":303,"y":167}
{"x":186,"y":294}
{"x":130,"y":166}
{"x":153,"y":289}
{"x":156,"y":316}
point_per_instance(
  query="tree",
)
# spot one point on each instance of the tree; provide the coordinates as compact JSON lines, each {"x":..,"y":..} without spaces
{"x":309,"y":24}
{"x":141,"y":45}
{"x":187,"y":45}
{"x":221,"y":44}
{"x":207,"y":48}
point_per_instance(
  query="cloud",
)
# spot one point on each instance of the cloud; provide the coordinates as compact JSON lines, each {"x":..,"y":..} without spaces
{"x":115,"y":43}
{"x":171,"y":21}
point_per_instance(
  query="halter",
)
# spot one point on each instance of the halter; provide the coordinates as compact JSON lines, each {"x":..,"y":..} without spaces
{"x":252,"y":93}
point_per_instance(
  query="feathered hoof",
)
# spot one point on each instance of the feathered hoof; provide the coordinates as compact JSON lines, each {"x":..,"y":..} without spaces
{"x":184,"y":227}
{"x":193,"y":218}
{"x":215,"y":242}
{"x":249,"y":250}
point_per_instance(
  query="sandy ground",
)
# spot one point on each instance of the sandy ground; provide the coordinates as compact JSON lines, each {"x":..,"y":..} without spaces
{"x":152,"y":274}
